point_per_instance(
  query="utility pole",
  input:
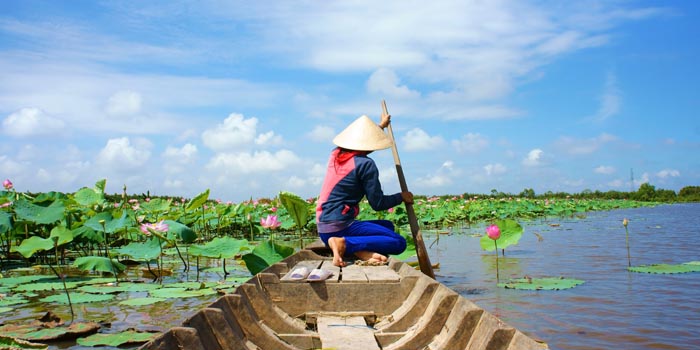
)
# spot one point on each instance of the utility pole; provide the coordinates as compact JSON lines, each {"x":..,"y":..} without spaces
{"x":631,"y":180}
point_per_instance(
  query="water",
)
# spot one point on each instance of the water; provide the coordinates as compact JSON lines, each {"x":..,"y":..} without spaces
{"x":614,"y":308}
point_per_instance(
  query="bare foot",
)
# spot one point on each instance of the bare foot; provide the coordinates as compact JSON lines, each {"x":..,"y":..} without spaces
{"x":337,"y":245}
{"x":371,"y":256}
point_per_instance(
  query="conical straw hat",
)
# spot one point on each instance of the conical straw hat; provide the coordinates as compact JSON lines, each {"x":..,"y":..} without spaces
{"x":363,"y":135}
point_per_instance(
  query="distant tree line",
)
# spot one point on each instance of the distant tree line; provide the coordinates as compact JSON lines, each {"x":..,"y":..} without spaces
{"x":645,"y":193}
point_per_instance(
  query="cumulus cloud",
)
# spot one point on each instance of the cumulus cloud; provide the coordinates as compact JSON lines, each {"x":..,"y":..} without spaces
{"x":470,"y":143}
{"x":495,"y":169}
{"x":234,"y":132}
{"x":534,"y":158}
{"x":385,"y":82}
{"x":268,"y":139}
{"x":124,"y":103}
{"x":668,"y":173}
{"x":121,"y":154}
{"x":30,"y":122}
{"x":604,"y":169}
{"x":257,"y":162}
{"x":418,"y":140}
{"x":321,"y":133}
{"x":177,"y":159}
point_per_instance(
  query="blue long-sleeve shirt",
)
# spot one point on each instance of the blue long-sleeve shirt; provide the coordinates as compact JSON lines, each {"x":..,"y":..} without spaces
{"x":344,"y":187}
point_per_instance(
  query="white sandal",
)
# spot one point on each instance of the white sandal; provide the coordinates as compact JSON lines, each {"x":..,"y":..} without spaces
{"x":319,"y":275}
{"x":299,"y":273}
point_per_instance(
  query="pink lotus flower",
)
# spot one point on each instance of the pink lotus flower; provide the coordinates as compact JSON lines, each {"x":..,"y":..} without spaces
{"x":7,"y":184}
{"x":390,"y":210}
{"x":273,"y":209}
{"x":270,"y":222}
{"x":159,"y":227}
{"x":493,"y":232}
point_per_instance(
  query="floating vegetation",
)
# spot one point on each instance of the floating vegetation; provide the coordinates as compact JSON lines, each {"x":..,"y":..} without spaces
{"x":116,"y":339}
{"x":693,"y":266}
{"x":542,"y":283}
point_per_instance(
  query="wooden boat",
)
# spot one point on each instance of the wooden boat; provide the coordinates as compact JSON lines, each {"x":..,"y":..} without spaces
{"x":359,"y":307}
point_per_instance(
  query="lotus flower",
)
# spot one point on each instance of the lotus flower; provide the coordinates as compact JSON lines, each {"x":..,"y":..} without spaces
{"x":493,"y":232}
{"x":270,"y":222}
{"x":7,"y":184}
{"x":159,"y":227}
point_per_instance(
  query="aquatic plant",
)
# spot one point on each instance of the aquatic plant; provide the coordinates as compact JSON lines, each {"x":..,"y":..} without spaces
{"x":625,"y":222}
{"x":494,"y":233}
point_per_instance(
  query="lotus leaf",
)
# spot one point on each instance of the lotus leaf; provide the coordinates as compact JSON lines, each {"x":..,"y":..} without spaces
{"x":116,"y":339}
{"x":4,"y":309}
{"x":543,"y":283}
{"x":122,"y":287}
{"x":511,"y":231}
{"x":32,"y":245}
{"x":185,"y":233}
{"x":13,"y":300}
{"x":410,"y":248}
{"x":39,"y":332}
{"x":62,"y":235}
{"x":141,"y":301}
{"x":99,"y":263}
{"x":180,"y":292}
{"x":77,"y":298}
{"x":156,"y":205}
{"x":297,"y":208}
{"x":12,"y":282}
{"x":693,"y":266}
{"x":111,"y":224}
{"x":265,"y":254}
{"x":145,"y":251}
{"x":38,"y":214}
{"x":10,"y":343}
{"x":197,"y":201}
{"x":5,"y":222}
{"x":88,"y":197}
{"x":220,"y":248}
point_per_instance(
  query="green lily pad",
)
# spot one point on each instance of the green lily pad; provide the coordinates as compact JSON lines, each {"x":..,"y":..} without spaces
{"x":122,"y":287}
{"x":141,"y":301}
{"x":511,"y":231}
{"x":45,"y":286}
{"x":693,"y":266}
{"x":39,"y":331}
{"x":77,"y":298}
{"x":32,"y":245}
{"x":12,"y":282}
{"x":180,"y":293}
{"x":116,"y":339}
{"x":11,"y":343}
{"x":265,"y":254}
{"x":220,"y":248}
{"x":99,"y":263}
{"x":13,"y":300}
{"x":543,"y":283}
{"x":4,"y":309}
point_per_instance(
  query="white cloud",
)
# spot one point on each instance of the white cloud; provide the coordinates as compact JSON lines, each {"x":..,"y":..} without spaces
{"x":247,"y":163}
{"x":321,"y":133}
{"x":575,"y":146}
{"x":124,"y":103}
{"x":534,"y":158}
{"x":385,"y":82}
{"x":177,"y":159}
{"x":470,"y":143}
{"x":121,"y":154}
{"x":604,"y":169}
{"x":30,"y":122}
{"x":610,"y":100}
{"x":235,"y":131}
{"x":495,"y":169}
{"x":268,"y":139}
{"x":668,"y":173}
{"x":418,"y":140}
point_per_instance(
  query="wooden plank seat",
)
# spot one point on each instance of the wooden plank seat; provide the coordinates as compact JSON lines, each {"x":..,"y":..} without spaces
{"x":345,"y":333}
{"x":348,"y":274}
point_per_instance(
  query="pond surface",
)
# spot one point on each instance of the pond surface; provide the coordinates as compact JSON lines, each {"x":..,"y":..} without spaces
{"x":614,"y":308}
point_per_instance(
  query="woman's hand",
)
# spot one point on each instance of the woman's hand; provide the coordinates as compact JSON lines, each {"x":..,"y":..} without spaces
{"x":386,"y":119}
{"x":407,"y":197}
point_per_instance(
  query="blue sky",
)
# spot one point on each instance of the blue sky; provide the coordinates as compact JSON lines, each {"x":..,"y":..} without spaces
{"x":244,"y":98}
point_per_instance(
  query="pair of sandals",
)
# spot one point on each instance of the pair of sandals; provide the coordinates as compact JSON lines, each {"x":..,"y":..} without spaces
{"x":315,"y":275}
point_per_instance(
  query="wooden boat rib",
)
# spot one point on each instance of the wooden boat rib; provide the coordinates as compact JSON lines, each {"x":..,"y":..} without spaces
{"x":386,"y":307}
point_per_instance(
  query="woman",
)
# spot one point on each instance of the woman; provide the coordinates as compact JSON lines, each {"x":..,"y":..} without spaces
{"x":351,"y":176}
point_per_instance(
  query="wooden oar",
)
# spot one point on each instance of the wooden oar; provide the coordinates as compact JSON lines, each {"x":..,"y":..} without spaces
{"x":423,"y":259}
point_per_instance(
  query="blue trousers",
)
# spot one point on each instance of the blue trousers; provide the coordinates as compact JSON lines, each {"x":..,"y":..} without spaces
{"x":373,"y":235}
